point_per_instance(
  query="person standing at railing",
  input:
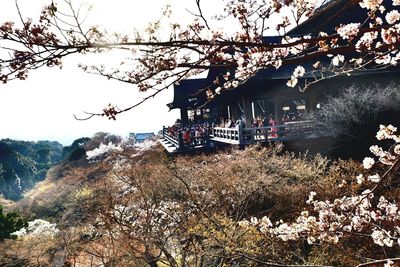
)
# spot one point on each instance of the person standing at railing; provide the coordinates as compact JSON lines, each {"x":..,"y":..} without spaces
{"x":285,"y":118}
{"x":274,"y":130}
{"x":241,"y":122}
{"x":186,"y":136}
{"x":264,"y":122}
{"x":198,"y":133}
{"x":229,"y":123}
{"x":254,"y":123}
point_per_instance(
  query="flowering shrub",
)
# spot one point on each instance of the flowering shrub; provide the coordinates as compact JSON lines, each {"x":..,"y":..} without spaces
{"x":101,"y":151}
{"x":38,"y":228}
{"x":246,"y":207}
{"x":146,"y":145}
{"x":368,"y":213}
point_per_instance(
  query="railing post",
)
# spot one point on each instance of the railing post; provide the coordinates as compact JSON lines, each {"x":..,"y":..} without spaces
{"x":163,"y":132}
{"x":180,"y":141}
{"x":207,"y":137}
{"x":240,"y":133}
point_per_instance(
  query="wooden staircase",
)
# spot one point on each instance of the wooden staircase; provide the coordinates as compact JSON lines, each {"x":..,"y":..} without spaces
{"x":168,"y":145}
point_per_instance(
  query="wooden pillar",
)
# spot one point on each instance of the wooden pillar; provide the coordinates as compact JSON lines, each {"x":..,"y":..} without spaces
{"x":278,"y":110}
{"x":309,"y":102}
{"x":253,"y":111}
{"x":313,"y":100}
{"x":234,"y":111}
{"x":184,"y":116}
{"x":247,"y":111}
{"x":180,"y":140}
{"x":240,"y":133}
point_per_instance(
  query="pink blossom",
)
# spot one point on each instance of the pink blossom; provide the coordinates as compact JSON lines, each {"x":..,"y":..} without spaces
{"x":392,"y":16}
{"x":299,"y":72}
{"x":337,"y":60}
{"x":374,"y":178}
{"x":348,"y":31}
{"x":292,"y":82}
{"x":368,"y":163}
{"x":371,"y":4}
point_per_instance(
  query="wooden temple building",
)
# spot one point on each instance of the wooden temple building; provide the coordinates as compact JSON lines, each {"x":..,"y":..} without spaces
{"x":267,"y":95}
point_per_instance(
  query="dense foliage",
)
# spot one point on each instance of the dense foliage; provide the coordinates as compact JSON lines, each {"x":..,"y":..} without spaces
{"x":138,"y":207}
{"x":75,"y":151}
{"x":22,"y":164}
{"x":10,"y":223}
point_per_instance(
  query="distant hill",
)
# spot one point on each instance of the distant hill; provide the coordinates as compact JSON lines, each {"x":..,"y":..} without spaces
{"x":23,"y":164}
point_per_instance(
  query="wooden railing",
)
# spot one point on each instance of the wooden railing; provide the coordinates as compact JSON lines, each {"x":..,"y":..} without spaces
{"x":243,"y":136}
{"x":170,"y":138}
{"x":226,"y":135}
{"x":183,"y":145}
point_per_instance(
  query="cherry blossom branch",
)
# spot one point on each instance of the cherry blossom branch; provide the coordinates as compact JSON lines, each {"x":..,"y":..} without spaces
{"x":157,"y":59}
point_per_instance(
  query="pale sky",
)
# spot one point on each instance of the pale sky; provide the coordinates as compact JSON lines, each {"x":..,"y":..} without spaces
{"x":42,"y":107}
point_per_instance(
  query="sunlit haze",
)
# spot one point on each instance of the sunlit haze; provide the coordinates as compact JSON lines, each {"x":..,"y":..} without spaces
{"x":42,"y":107}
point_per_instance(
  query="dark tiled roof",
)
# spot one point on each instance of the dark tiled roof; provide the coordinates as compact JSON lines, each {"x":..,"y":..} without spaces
{"x":188,"y":93}
{"x":191,"y":92}
{"x":333,"y":13}
{"x":325,"y":18}
{"x":143,"y":136}
{"x":330,"y":15}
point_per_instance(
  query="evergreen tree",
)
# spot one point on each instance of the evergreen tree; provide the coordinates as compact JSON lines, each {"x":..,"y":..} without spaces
{"x":10,"y":223}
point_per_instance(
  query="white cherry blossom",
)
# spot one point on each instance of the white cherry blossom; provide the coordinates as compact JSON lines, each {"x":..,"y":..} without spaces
{"x":368,"y":162}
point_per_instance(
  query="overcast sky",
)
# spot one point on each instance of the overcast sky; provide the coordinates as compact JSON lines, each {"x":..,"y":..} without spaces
{"x":42,"y":107}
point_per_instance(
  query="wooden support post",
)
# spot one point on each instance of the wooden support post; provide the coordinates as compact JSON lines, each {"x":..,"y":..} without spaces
{"x":240,"y":134}
{"x":184,"y":116}
{"x":247,"y":111}
{"x":278,"y":110}
{"x":180,"y":141}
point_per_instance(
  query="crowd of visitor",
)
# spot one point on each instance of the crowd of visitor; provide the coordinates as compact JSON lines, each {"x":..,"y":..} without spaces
{"x":259,"y":121}
{"x":197,"y":134}
{"x":288,"y":117}
{"x":194,"y":134}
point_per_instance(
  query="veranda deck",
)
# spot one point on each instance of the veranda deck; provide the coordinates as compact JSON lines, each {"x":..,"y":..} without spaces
{"x":241,"y":136}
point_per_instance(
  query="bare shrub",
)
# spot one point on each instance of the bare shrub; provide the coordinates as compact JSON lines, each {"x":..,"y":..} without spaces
{"x":357,"y":106}
{"x":147,"y":209}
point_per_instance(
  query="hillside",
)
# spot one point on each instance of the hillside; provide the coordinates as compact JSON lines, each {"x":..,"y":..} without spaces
{"x":136,"y":206}
{"x":23,"y":164}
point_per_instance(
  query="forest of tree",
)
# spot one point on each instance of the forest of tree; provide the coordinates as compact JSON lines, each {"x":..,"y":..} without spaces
{"x":23,"y":164}
{"x":130,"y":205}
